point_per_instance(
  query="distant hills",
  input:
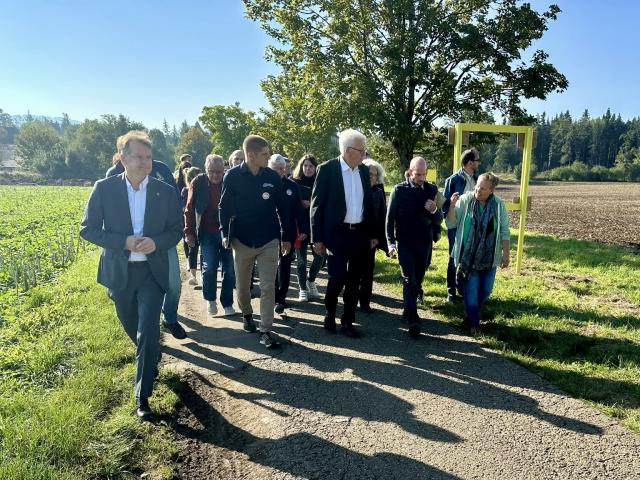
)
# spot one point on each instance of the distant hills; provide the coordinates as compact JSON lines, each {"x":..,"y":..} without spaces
{"x":20,"y":119}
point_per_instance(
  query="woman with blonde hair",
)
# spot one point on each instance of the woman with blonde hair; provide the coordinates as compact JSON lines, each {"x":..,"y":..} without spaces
{"x":481,"y":244}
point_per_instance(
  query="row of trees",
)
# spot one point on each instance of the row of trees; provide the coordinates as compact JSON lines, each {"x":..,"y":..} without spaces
{"x":85,"y":150}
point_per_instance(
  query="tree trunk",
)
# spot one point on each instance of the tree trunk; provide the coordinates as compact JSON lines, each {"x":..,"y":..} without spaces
{"x":404,"y":149}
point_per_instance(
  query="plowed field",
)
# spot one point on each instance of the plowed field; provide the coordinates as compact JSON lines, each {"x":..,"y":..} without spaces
{"x":603,"y":212}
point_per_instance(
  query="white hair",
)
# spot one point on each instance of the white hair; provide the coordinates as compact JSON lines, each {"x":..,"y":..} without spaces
{"x":348,"y":139}
{"x":276,"y":158}
{"x":370,"y":162}
{"x":213,"y":158}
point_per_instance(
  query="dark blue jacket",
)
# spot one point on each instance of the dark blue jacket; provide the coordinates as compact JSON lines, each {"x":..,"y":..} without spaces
{"x":455,"y":183}
{"x":297,"y":213}
{"x":159,"y":171}
{"x":258,"y":206}
{"x":407,"y":219}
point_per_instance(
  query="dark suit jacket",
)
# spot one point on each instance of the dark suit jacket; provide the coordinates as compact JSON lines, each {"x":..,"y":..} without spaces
{"x":107,"y":223}
{"x":329,"y":206}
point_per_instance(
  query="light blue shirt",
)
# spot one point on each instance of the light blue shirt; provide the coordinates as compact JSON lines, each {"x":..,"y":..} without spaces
{"x":137,"y":206}
{"x":353,"y":192}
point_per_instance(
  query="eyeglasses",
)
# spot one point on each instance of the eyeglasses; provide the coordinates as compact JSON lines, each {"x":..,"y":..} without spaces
{"x":362,"y":152}
{"x":373,"y":175}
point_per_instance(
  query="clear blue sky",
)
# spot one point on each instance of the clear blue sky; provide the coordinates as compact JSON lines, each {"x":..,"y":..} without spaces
{"x":159,"y":59}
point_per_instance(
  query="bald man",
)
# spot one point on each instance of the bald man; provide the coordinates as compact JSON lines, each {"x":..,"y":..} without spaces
{"x":412,"y":212}
{"x":236,"y":158}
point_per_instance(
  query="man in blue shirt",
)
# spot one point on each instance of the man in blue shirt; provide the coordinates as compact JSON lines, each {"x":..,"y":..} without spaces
{"x":161,"y":172}
{"x":253,"y":212}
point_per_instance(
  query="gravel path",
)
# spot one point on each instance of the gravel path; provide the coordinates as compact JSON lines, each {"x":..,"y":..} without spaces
{"x":383,"y":406}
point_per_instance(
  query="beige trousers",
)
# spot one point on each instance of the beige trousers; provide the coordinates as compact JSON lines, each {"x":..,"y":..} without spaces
{"x":267,"y":258}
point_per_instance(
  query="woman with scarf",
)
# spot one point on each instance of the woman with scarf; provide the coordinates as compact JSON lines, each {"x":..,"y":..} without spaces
{"x":305,"y":175}
{"x":482,"y":242}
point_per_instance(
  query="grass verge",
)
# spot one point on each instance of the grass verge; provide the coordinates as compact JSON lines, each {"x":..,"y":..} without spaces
{"x":573,"y":316}
{"x":67,"y":409}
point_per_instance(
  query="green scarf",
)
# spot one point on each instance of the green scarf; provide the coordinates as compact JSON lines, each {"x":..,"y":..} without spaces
{"x":480,"y":244}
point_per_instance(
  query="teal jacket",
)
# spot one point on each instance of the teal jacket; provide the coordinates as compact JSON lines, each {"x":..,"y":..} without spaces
{"x":502,"y":219}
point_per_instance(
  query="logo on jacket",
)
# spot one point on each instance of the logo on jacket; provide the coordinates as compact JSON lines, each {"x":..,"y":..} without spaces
{"x":267,"y":185}
{"x":289,"y":192}
{"x":266,"y":195}
{"x":158,"y":176}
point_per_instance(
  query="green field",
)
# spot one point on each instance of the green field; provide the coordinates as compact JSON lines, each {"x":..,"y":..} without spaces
{"x":38,"y":236}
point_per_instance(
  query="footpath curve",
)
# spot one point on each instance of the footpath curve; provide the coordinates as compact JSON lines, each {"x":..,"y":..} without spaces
{"x":380,"y":407}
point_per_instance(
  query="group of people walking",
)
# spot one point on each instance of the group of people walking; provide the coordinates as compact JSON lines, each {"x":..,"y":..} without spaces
{"x":255,"y":213}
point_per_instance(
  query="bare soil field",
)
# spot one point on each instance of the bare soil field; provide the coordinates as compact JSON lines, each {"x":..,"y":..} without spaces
{"x":603,"y":212}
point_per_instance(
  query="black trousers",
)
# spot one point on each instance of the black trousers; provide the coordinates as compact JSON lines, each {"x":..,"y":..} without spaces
{"x":138,"y":308}
{"x":283,"y":276}
{"x":344,"y":265}
{"x":191,"y":253}
{"x":413,"y":258}
{"x":366,"y":282}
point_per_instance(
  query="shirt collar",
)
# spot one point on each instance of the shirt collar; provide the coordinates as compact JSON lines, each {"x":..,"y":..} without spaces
{"x":413,"y":186}
{"x":142,"y":187}
{"x":345,"y":166}
{"x":244,"y":168}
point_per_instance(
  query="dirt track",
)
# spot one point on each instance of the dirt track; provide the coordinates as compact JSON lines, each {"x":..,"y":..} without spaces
{"x":605,"y":212}
{"x":380,"y":407}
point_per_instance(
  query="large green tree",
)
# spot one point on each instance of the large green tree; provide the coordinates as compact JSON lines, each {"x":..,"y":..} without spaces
{"x":397,"y":66}
{"x":228,"y":126}
{"x":195,"y":143}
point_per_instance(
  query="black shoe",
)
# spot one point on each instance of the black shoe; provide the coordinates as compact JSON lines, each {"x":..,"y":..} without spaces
{"x":143,"y":411}
{"x":367,"y":309}
{"x":350,"y":331}
{"x":420,"y":299}
{"x":176,"y":330}
{"x":414,"y":331}
{"x":330,"y":323}
{"x":248,"y":325}
{"x":267,"y":340}
{"x":279,"y":308}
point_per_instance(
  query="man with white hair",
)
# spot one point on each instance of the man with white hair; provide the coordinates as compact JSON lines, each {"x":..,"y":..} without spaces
{"x":201,"y":219}
{"x":342,"y":223}
{"x":236,"y":158}
{"x":298,"y":224}
{"x":412,"y":212}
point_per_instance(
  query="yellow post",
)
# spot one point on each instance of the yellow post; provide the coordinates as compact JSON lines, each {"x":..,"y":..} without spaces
{"x":457,"y":149}
{"x":524,"y":188}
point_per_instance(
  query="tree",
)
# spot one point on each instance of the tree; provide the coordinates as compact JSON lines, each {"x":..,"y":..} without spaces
{"x":397,"y":66}
{"x":195,"y":143}
{"x":228,"y":126}
{"x":66,"y":123}
{"x":184,"y":127}
{"x":5,"y":119}
{"x":34,"y":139}
{"x":162,"y":151}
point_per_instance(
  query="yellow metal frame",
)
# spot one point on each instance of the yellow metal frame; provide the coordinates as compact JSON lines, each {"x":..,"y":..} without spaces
{"x":526,"y":166}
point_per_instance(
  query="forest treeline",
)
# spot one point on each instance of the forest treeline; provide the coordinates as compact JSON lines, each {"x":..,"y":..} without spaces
{"x":605,"y":148}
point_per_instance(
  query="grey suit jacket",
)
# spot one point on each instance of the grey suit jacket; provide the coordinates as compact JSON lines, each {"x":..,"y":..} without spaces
{"x":107,"y":223}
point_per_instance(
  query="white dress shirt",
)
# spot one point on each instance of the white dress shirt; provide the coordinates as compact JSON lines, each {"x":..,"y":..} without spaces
{"x":137,"y":205}
{"x":353,"y":192}
{"x":471,"y":182}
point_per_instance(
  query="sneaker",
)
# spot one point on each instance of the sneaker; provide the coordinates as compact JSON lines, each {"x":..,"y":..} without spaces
{"x":279,"y":308}
{"x":176,"y":330}
{"x":212,"y":308}
{"x":303,"y":296}
{"x":193,"y":281}
{"x":267,"y":340}
{"x":313,"y":290}
{"x":248,"y":325}
{"x":229,"y":311}
{"x":143,"y":411}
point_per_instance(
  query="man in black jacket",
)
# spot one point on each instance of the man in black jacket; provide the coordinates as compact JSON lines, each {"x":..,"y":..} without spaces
{"x":410,"y":216}
{"x":342,"y":222}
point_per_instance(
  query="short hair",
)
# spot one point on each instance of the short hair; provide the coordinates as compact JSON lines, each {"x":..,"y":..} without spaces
{"x":276,"y":159}
{"x":184,"y":157}
{"x":213,"y":158}
{"x":348,"y":138}
{"x":131,"y":136}
{"x":469,"y":156}
{"x":490,"y":177}
{"x":191,"y":173}
{"x":297,"y":172}
{"x":233,"y":154}
{"x":369,"y":162}
{"x":416,"y":160}
{"x":254,"y":143}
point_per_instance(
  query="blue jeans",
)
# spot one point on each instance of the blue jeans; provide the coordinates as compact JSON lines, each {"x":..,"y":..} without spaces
{"x":213,"y":253}
{"x":172,"y":297}
{"x":477,"y":288}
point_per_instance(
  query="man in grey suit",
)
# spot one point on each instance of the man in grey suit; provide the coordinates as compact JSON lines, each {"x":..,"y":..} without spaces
{"x":134,"y":264}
